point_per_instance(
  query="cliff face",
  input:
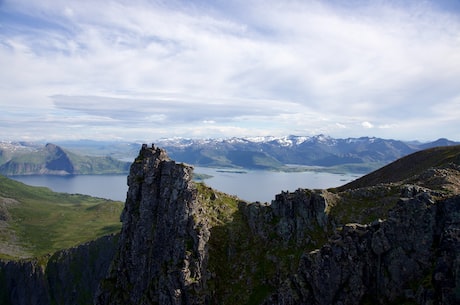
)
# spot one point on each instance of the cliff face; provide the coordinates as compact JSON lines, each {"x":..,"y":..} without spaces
{"x":70,"y":276}
{"x":413,"y":256}
{"x":174,"y":248}
{"x":183,"y":243}
{"x":290,"y":218}
{"x":58,"y":160}
{"x":22,"y":283}
{"x":73,"y":275}
{"x":162,"y":251}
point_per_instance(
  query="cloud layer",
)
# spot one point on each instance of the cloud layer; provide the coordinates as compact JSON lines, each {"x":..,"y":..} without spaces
{"x":141,"y":70}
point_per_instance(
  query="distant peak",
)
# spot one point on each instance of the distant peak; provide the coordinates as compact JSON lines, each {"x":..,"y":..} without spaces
{"x":50,"y":145}
{"x":53,"y":148}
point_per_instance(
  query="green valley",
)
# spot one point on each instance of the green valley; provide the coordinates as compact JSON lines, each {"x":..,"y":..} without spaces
{"x":34,"y":221}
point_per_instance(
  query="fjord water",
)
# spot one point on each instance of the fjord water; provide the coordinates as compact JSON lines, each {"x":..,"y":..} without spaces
{"x":247,"y":185}
{"x":104,"y":186}
{"x":264,"y":185}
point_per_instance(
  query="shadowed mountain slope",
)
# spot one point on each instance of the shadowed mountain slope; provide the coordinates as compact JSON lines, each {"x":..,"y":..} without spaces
{"x":409,"y":166}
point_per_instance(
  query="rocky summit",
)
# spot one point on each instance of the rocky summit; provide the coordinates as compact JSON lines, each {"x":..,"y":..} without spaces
{"x":388,"y":240}
{"x":162,"y":250}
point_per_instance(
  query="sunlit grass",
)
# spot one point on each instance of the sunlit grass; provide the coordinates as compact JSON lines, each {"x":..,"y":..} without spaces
{"x":43,"y":221}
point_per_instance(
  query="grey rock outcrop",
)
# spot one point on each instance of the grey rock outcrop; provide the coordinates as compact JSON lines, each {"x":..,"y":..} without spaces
{"x":70,"y":276}
{"x":410,"y":256}
{"x":290,"y":218}
{"x":23,"y":283}
{"x":162,"y":253}
{"x":73,"y":275}
{"x":413,"y":256}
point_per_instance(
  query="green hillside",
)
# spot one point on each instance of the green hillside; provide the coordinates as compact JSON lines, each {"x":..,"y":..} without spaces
{"x":35,"y":221}
{"x":97,"y":165}
{"x":409,"y":166}
{"x":53,"y":160}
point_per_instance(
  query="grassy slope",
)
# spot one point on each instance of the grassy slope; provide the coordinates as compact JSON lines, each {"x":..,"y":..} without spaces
{"x":235,"y":254}
{"x":371,"y":197}
{"x":408,"y":166}
{"x":97,"y":165}
{"x":39,"y":221}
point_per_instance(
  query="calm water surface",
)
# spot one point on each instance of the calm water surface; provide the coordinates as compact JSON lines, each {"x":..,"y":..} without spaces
{"x":250,"y":185}
{"x":105,"y":186}
{"x":264,"y":185}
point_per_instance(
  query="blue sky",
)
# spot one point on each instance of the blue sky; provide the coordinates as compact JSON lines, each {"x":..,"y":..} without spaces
{"x":143,"y":70}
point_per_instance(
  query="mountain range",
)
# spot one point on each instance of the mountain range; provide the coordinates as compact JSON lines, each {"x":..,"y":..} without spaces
{"x":360,"y":155}
{"x":289,"y":153}
{"x":276,"y":153}
{"x":34,"y":159}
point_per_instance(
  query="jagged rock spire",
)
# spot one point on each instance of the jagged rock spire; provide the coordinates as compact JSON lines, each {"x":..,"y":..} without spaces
{"x":159,"y":260}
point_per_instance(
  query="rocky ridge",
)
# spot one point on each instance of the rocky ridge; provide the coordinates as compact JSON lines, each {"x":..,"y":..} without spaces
{"x":184,"y":243}
{"x":298,"y":249}
{"x":412,"y":256}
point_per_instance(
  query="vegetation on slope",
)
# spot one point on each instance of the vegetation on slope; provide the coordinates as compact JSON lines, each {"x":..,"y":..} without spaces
{"x":371,"y":197}
{"x":245,"y":267}
{"x":409,"y":166}
{"x":97,"y":165}
{"x":52,"y":159}
{"x":236,"y":254}
{"x":35,"y":221}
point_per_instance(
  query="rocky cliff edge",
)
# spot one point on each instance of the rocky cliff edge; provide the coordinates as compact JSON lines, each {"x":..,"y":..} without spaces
{"x":185,"y":243}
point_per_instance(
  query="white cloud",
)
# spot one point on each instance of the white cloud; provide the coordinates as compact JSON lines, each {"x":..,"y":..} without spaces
{"x":367,"y":125}
{"x":247,"y":67}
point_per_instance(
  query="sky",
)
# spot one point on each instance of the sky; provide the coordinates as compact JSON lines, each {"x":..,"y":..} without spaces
{"x":138,"y":70}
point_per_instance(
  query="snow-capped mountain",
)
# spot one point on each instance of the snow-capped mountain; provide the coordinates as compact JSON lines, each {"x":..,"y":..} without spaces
{"x":275,"y":152}
{"x":268,"y":152}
